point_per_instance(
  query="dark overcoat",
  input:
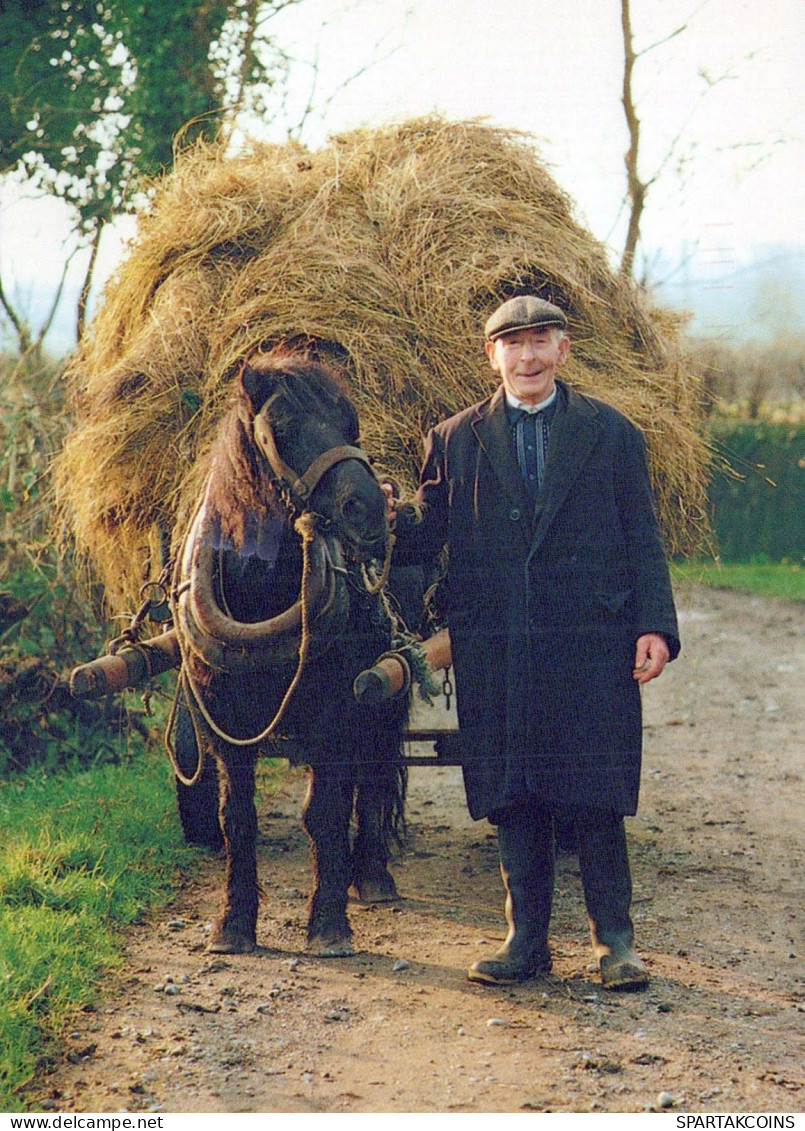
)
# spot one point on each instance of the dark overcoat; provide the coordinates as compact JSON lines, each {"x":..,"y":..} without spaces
{"x":545,"y":606}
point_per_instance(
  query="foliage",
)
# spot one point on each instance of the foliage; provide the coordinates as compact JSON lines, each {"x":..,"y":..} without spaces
{"x":32,"y":427}
{"x":757,"y":493}
{"x":48,"y":621}
{"x":77,"y":864}
{"x":784,"y":580}
{"x":95,"y":95}
{"x":754,"y":382}
{"x":60,"y":102}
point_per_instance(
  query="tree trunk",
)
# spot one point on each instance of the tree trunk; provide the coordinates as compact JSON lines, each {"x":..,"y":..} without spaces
{"x":636,"y":189}
{"x":21,"y":328}
{"x":83,"y":298}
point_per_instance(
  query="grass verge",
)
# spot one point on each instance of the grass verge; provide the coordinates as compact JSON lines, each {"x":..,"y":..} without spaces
{"x":764,"y":579}
{"x":82,"y":856}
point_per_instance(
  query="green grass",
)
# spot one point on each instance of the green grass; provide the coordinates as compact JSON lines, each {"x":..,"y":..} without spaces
{"x":82,"y":857}
{"x":764,"y":579}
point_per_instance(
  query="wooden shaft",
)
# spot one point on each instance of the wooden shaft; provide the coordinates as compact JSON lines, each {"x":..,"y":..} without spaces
{"x":131,"y":667}
{"x":438,"y":650}
{"x":390,"y":675}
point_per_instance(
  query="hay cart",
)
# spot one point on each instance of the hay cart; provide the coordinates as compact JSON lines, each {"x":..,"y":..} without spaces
{"x":379,"y":253}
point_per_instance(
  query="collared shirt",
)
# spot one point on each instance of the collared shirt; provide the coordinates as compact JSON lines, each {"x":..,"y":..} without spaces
{"x":530,"y":426}
{"x":512,"y":402}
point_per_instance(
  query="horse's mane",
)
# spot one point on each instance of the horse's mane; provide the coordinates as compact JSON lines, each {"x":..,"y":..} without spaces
{"x":242,"y":487}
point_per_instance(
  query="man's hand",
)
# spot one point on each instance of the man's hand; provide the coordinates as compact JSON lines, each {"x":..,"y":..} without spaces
{"x":651,"y":657}
{"x":389,"y":490}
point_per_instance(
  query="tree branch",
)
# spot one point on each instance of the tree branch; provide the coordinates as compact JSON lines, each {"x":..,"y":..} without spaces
{"x":43,"y":329}
{"x":661,"y":42}
{"x":83,"y":299}
{"x":21,"y":327}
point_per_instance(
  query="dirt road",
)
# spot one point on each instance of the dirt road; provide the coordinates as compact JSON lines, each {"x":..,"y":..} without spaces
{"x":717,"y":852}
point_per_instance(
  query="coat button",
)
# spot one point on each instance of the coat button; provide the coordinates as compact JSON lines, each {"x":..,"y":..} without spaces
{"x":514,"y":514}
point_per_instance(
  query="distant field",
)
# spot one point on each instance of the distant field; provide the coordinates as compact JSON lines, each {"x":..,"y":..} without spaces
{"x":786,"y":580}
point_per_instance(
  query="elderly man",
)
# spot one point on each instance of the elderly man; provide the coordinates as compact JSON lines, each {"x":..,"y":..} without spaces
{"x":560,"y":607}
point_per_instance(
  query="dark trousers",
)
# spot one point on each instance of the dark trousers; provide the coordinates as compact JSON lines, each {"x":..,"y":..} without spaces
{"x":526,"y":843}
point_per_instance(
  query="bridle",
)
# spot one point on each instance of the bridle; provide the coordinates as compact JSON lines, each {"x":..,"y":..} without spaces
{"x":299,"y":488}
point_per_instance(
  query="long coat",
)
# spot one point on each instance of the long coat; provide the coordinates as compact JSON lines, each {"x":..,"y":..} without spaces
{"x":545,"y":606}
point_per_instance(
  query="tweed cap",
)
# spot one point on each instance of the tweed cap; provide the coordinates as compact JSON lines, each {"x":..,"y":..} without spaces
{"x":525,"y":312}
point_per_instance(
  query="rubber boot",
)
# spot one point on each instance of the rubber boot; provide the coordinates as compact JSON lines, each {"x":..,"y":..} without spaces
{"x":607,"y":882}
{"x":526,"y":866}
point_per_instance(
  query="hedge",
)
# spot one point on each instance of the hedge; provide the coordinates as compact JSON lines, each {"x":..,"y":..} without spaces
{"x":757,"y":492}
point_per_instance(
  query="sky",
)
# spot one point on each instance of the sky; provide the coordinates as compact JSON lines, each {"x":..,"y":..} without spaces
{"x":720,"y":103}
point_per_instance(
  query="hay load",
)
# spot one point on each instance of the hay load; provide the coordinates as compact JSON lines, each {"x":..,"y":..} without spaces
{"x":383,"y":251}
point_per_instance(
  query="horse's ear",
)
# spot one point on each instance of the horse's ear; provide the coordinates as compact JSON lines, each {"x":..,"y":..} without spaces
{"x":257,"y":385}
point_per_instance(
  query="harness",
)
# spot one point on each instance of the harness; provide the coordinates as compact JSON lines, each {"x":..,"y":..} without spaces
{"x":205,"y":630}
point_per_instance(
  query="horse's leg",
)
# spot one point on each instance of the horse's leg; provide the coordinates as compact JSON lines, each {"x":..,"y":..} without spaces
{"x":198,"y":804}
{"x":235,"y":929}
{"x":326,"y":816}
{"x":370,"y":853}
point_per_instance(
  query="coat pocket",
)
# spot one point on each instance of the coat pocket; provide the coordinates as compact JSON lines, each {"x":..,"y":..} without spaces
{"x":614,"y":601}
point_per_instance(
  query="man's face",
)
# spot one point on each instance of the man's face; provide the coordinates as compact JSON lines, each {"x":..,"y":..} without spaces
{"x":527,"y":361}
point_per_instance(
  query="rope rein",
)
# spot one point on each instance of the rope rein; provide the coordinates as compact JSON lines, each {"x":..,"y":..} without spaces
{"x":304,"y":526}
{"x":374,"y":585}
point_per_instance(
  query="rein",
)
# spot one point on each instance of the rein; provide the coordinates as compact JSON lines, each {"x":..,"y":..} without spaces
{"x":374,"y":585}
{"x":304,"y":526}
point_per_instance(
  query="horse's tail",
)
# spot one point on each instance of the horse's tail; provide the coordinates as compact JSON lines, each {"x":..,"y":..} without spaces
{"x":383,"y":785}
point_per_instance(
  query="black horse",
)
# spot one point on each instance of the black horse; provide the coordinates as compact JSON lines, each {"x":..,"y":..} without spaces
{"x":276,"y":616}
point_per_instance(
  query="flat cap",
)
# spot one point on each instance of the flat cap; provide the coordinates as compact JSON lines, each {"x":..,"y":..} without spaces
{"x":525,"y":312}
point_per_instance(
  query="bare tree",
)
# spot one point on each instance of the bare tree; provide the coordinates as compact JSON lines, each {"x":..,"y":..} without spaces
{"x":638,"y":185}
{"x":636,"y":188}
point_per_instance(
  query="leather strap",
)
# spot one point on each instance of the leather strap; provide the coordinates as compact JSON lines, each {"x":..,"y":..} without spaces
{"x":302,"y":486}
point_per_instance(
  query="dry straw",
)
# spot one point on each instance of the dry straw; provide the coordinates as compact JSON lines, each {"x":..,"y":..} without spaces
{"x":387,"y":249}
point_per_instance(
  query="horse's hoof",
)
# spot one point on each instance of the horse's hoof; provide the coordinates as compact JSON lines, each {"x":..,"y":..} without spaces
{"x":321,"y":947}
{"x":230,"y":942}
{"x":379,"y":889}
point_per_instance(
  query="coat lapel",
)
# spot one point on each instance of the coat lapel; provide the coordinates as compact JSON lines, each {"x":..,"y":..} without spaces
{"x":574,"y":436}
{"x":492,"y":431}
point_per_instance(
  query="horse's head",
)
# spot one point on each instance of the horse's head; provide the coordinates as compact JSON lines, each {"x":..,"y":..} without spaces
{"x":306,"y":429}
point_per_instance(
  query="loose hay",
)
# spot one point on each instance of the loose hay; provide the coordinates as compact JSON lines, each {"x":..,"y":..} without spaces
{"x":385,"y":250}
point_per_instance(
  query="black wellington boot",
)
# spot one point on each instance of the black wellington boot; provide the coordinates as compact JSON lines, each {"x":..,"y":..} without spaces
{"x":607,"y":882}
{"x":526,"y":865}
